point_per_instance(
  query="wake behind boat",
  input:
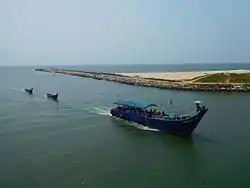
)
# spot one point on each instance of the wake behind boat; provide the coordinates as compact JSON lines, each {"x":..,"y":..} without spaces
{"x":138,"y":112}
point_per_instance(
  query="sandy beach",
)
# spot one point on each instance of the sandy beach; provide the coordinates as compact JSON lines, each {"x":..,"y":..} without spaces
{"x":180,"y":75}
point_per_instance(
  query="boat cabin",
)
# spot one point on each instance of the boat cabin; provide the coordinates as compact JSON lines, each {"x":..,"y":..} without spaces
{"x":140,"y":108}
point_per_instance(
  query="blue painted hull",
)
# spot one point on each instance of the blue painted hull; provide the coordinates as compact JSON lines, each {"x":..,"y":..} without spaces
{"x":182,"y":127}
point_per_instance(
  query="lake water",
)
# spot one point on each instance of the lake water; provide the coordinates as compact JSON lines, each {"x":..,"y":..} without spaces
{"x":76,"y":143}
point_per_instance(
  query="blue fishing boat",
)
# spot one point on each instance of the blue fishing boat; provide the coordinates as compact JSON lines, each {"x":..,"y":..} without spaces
{"x":180,"y":124}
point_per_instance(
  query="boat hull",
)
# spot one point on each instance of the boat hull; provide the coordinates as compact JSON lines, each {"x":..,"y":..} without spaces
{"x":51,"y":96}
{"x":183,"y":127}
{"x":30,"y":91}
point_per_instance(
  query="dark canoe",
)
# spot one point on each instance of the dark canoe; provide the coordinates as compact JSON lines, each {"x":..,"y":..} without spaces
{"x":137,"y":112}
{"x":52,"y":96}
{"x":30,"y":91}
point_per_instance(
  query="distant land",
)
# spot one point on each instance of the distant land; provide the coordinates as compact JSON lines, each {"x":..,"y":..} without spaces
{"x":225,"y":76}
{"x":145,"y":68}
{"x":224,"y":80}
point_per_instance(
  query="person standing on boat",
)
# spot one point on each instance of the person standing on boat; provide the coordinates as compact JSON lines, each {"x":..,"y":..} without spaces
{"x":163,"y":113}
{"x":154,"y":111}
{"x":198,"y":107}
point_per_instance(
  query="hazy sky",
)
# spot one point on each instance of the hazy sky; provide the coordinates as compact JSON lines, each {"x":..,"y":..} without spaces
{"x":50,"y":32}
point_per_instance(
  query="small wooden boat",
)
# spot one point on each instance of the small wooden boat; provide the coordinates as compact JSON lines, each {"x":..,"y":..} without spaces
{"x":30,"y":91}
{"x":52,"y":96}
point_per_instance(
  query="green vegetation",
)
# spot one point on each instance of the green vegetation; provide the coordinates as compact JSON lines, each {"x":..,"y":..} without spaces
{"x":240,"y":78}
{"x":224,"y":78}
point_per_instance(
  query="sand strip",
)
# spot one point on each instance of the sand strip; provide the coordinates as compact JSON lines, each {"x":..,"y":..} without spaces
{"x":179,"y":75}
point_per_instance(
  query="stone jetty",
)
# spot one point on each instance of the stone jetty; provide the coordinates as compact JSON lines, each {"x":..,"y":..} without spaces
{"x":155,"y":83}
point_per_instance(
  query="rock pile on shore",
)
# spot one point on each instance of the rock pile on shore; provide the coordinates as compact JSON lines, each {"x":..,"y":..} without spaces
{"x":161,"y":84}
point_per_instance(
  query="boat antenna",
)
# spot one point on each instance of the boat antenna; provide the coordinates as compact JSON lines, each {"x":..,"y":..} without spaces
{"x":161,"y":106}
{"x":171,"y":102}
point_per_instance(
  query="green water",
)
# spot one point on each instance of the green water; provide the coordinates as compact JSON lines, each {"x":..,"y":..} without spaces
{"x":75,"y":143}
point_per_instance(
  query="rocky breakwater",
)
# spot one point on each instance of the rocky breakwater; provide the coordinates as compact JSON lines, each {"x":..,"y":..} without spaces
{"x":155,"y":83}
{"x":42,"y":70}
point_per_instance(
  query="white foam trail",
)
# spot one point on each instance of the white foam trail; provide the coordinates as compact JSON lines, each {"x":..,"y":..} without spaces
{"x":16,"y":89}
{"x":106,"y":112}
{"x":136,"y":125}
{"x":102,"y":111}
{"x":142,"y":127}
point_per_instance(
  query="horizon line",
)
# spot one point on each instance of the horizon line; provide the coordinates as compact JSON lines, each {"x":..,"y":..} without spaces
{"x":178,"y":64}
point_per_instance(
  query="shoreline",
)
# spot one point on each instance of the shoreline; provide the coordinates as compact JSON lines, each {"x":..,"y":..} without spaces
{"x":183,"y":81}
